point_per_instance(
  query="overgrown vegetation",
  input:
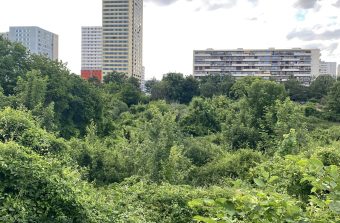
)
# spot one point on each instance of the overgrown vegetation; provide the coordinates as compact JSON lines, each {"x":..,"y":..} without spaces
{"x":210,"y":150}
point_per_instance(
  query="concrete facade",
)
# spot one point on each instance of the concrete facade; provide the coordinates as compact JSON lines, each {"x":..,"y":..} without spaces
{"x":91,"y":52}
{"x":328,"y":68}
{"x":37,"y":40}
{"x":123,"y":37}
{"x":277,"y":64}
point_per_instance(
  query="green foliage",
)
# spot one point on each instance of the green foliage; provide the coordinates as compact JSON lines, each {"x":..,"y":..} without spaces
{"x":229,"y":165}
{"x":14,"y":124}
{"x":34,"y":189}
{"x":333,"y":102}
{"x":175,"y":88}
{"x":177,"y":167}
{"x":321,"y":86}
{"x":296,"y":91}
{"x":250,"y":206}
{"x":202,"y":150}
{"x":6,"y":101}
{"x":241,"y":87}
{"x":31,"y":89}
{"x":19,"y":126}
{"x":270,"y":203}
{"x":329,"y":156}
{"x":201,"y":119}
{"x":262,"y":95}
{"x":115,"y":77}
{"x":289,"y":143}
{"x":14,"y":62}
{"x":211,"y":150}
{"x":150,"y":84}
{"x":215,"y":85}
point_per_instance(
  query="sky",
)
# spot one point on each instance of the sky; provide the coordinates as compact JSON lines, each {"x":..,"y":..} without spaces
{"x":174,"y":28}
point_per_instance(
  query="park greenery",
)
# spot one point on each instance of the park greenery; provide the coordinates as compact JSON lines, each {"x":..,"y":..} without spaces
{"x":186,"y":150}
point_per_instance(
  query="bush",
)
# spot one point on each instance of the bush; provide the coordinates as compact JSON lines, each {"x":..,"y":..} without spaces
{"x":329,"y":156}
{"x":231,"y":165}
{"x":19,"y":126}
{"x":33,"y":189}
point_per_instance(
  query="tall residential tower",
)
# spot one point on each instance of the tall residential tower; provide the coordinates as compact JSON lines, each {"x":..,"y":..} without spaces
{"x":91,"y":52}
{"x":123,"y":37}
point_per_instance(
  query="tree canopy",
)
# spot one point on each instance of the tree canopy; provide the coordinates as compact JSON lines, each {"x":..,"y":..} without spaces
{"x":217,"y":149}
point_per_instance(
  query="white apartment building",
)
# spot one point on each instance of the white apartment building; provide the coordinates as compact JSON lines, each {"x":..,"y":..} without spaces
{"x":91,"y":48}
{"x":277,"y":64}
{"x":91,"y":51}
{"x":123,"y":37}
{"x":36,"y":40}
{"x":328,"y":68}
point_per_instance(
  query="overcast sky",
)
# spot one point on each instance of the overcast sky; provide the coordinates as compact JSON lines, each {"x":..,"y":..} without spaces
{"x":174,"y":28}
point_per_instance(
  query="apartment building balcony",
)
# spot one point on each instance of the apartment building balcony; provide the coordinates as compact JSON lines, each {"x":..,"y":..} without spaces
{"x":302,"y":75}
{"x":262,"y":65}
{"x":240,"y":65}
{"x":303,"y":64}
{"x":251,"y":70}
{"x":202,"y":65}
{"x":212,"y":60}
{"x":290,"y":69}
{"x":240,"y":75}
{"x":250,"y":59}
{"x":213,"y":70}
{"x":302,"y":54}
{"x":262,"y":55}
{"x":290,"y":59}
{"x":263,"y":75}
{"x":202,"y":55}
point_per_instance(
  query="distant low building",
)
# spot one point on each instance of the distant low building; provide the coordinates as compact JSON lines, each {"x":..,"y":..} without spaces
{"x":36,"y":40}
{"x":91,"y":52}
{"x":276,"y":64}
{"x":328,"y":68}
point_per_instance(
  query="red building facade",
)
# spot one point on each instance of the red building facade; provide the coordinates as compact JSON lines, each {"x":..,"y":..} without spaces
{"x":87,"y":74}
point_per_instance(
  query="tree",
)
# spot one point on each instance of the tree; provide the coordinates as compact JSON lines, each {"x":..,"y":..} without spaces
{"x":115,"y":77}
{"x":14,"y":62}
{"x":262,"y":94}
{"x":240,"y":87}
{"x":158,"y":91}
{"x":31,"y":89}
{"x":173,"y":83}
{"x":177,"y":167}
{"x":296,"y":91}
{"x":321,"y":85}
{"x":201,"y":119}
{"x":333,"y":102}
{"x":130,"y":94}
{"x":175,"y":88}
{"x":149,"y":85}
{"x":38,"y":189}
{"x":84,"y":105}
{"x":189,"y":90}
{"x":216,"y":85}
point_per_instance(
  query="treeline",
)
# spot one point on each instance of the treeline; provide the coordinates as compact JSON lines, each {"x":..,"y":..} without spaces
{"x":214,"y":150}
{"x":174,"y":87}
